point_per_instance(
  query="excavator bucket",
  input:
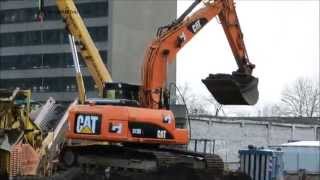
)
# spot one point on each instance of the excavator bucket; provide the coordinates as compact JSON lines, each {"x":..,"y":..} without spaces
{"x":235,"y":89}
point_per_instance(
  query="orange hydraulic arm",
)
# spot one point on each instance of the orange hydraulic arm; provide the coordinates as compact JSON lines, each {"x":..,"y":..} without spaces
{"x":170,"y":39}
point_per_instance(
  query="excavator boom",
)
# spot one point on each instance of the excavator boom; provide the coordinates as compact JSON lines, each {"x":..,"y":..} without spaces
{"x":241,"y":85}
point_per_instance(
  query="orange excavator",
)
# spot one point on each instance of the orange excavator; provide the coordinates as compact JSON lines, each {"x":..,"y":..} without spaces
{"x":126,"y":117}
{"x":129,"y":125}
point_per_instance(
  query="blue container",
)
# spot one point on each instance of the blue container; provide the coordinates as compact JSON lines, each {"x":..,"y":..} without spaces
{"x":262,"y":164}
{"x":301,"y":155}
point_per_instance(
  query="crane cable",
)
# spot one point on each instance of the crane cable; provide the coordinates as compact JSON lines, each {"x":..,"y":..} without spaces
{"x":40,"y":14}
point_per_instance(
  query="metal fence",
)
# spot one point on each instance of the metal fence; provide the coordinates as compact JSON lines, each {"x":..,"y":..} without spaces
{"x":206,"y":146}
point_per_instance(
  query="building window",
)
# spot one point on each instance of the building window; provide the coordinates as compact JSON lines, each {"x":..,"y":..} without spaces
{"x":52,"y":13}
{"x":60,"y":60}
{"x":58,"y":84}
{"x":20,"y":62}
{"x":86,"y":10}
{"x":18,"y":15}
{"x":99,"y":33}
{"x":20,"y":38}
{"x":57,"y":36}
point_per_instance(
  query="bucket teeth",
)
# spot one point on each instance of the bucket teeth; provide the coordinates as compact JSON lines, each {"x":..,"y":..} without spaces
{"x":235,"y":89}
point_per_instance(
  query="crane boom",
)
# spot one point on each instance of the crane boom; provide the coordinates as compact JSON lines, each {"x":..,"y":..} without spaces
{"x":88,"y":50}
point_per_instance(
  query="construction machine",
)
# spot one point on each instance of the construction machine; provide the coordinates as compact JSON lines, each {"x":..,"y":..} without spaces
{"x":25,"y":136}
{"x":127,"y":127}
{"x":18,"y":134}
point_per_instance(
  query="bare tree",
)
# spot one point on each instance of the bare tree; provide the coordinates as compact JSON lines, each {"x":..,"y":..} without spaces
{"x":194,"y":103}
{"x":275,"y":110}
{"x":301,"y":98}
{"x":199,"y":103}
{"x":217,"y":107}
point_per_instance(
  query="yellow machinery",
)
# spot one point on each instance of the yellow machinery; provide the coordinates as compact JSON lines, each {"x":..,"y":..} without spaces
{"x":18,"y":134}
{"x":89,"y":52}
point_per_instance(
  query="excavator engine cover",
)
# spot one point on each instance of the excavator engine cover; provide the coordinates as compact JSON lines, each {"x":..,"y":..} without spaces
{"x":235,"y":89}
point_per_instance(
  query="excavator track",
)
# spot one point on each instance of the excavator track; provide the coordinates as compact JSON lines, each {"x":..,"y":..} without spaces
{"x":123,"y":159}
{"x":214,"y":164}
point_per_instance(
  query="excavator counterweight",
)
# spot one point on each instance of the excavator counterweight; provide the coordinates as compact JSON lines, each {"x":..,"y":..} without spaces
{"x":235,"y":89}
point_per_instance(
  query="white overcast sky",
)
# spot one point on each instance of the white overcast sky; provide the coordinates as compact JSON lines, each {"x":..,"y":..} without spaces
{"x":281,"y":37}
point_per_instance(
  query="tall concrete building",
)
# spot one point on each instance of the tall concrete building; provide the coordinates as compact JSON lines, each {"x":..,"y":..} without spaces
{"x":37,"y":56}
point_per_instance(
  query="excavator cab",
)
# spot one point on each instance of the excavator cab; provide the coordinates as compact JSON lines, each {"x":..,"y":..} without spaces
{"x":234,"y":89}
{"x":119,"y":90}
{"x":118,"y":94}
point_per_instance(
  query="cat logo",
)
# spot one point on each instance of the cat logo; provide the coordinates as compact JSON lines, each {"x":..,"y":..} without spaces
{"x":197,"y":25}
{"x":161,"y":134}
{"x":88,"y":124}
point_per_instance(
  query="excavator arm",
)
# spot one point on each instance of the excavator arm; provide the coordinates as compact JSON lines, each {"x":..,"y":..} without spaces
{"x":171,"y":38}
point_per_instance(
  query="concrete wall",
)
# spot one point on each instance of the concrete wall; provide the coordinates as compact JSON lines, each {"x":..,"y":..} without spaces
{"x":232,"y":134}
{"x":134,"y":25}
